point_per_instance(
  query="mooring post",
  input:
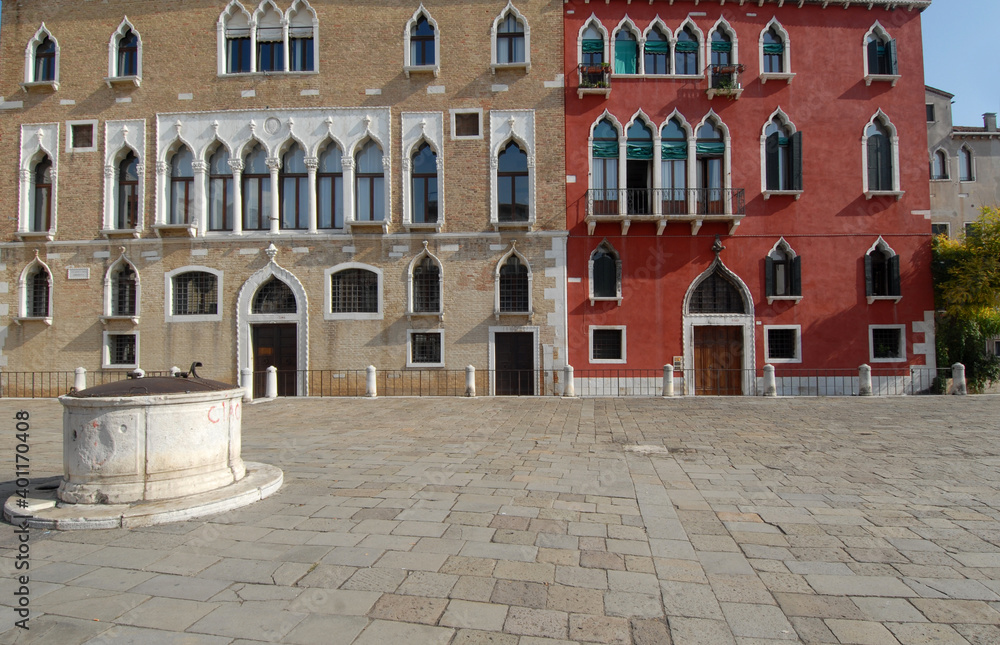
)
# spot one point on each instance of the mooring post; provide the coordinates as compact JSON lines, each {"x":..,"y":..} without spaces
{"x":668,"y":380}
{"x":370,"y":387}
{"x":271,"y":391}
{"x":958,"y":384}
{"x":80,"y":380}
{"x":770,"y":387}
{"x":470,"y":380}
{"x":246,"y":380}
{"x":568,"y":388}
{"x":865,"y":380}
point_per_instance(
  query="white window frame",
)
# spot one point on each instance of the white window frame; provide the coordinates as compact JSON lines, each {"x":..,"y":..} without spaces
{"x":608,"y":247}
{"x":782,"y":117}
{"x":727,"y":170}
{"x":29,"y":61}
{"x":897,"y":190}
{"x":419,"y":128}
{"x":946,"y":165}
{"x":113,"y":78}
{"x":410,"y":298}
{"x":946,"y":225}
{"x":168,"y":295}
{"x":967,"y":149}
{"x":109,"y":276}
{"x":93,"y":123}
{"x":408,"y":66}
{"x":629,"y":26}
{"x":22,"y":292}
{"x":409,"y":347}
{"x":37,"y":139}
{"x":454,"y":112}
{"x":721,"y":25}
{"x":285,"y":20}
{"x":494,"y":63}
{"x":798,"y":344}
{"x":496,"y":284}
{"x":788,"y":74}
{"x":702,"y":62}
{"x":579,"y":38}
{"x":880,"y":32}
{"x":119,"y":138}
{"x":902,"y":344}
{"x":228,"y":12}
{"x":507,"y":126}
{"x":883,"y":246}
{"x":669,"y":34}
{"x":787,"y":249}
{"x":328,"y":293}
{"x":106,"y":351}
{"x":607,"y":361}
{"x":295,"y":10}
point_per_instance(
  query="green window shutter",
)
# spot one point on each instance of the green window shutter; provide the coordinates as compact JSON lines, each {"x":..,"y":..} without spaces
{"x":605,"y":149}
{"x":674,"y":151}
{"x":686,"y":47}
{"x":890,"y":53}
{"x":710,"y":149}
{"x":722,"y":47}
{"x":626,"y":57}
{"x":774,"y":48}
{"x":893,"y":266}
{"x":869,"y":287}
{"x":593,"y":46}
{"x":657,"y":47}
{"x":797,"y":276}
{"x":768,"y":276}
{"x":639,"y":150}
{"x":772,"y":151}
{"x":795,"y":160}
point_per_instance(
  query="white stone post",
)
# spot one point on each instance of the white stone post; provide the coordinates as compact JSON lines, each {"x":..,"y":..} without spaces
{"x":80,"y":380}
{"x":569,"y":389}
{"x":200,"y":214}
{"x":271,"y":391}
{"x":175,"y":371}
{"x":668,"y":380}
{"x":865,"y":380}
{"x":958,"y":384}
{"x":370,"y":383}
{"x":770,"y":387}
{"x":237,"y":168}
{"x":470,"y":380}
{"x":312,"y":163}
{"x":246,"y":380}
{"x":274,"y":166}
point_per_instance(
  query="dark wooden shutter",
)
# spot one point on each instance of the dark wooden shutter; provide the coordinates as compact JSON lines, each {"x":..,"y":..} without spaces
{"x":873,"y":175}
{"x":893,"y":265}
{"x":873,"y":56}
{"x":771,"y":152}
{"x":795,"y":160}
{"x":797,"y":276}
{"x":890,"y":55}
{"x":869,"y":286}
{"x":768,"y":276}
{"x":885,"y":164}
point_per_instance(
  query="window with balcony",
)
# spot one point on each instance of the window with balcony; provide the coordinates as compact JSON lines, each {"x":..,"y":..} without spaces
{"x":604,"y":169}
{"x":592,"y":46}
{"x":293,"y":183}
{"x":673,"y":167}
{"x":220,"y":191}
{"x":709,"y":166}
{"x":639,"y":169}
{"x":594,"y":68}
{"x":330,"y":188}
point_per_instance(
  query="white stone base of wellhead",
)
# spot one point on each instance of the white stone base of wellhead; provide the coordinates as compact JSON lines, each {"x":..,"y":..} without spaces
{"x":43,"y":510}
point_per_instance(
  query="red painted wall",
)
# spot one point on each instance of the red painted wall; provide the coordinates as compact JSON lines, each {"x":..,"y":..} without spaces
{"x":831,"y":226}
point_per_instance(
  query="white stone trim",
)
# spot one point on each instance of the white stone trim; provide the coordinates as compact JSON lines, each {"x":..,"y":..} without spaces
{"x":94,"y":135}
{"x":897,"y":190}
{"x":727,"y":162}
{"x":610,"y":249}
{"x":702,"y":64}
{"x":798,"y":344}
{"x":669,"y":34}
{"x":607,"y":361}
{"x":106,"y":351}
{"x":492,"y":349}
{"x":879,"y":32}
{"x":455,"y":111}
{"x":109,"y":275}
{"x":787,"y":74}
{"x":119,"y":138}
{"x":245,"y":320}
{"x":168,"y":295}
{"x":494,"y":64}
{"x":29,"y":58}
{"x":418,"y":128}
{"x":33,"y":267}
{"x":409,"y":348}
{"x":902,"y":344}
{"x":507,"y":126}
{"x":579,"y":38}
{"x":408,"y":66}
{"x":410,"y":311}
{"x":328,"y":293}
{"x":496,"y":282}
{"x":628,"y":25}
{"x":222,"y":24}
{"x":720,"y":24}
{"x":783,"y":118}
{"x":292,"y":20}
{"x":37,"y":140}
{"x":113,"y":75}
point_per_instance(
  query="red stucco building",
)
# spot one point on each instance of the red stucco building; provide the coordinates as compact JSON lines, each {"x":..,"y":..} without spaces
{"x":793,"y":133}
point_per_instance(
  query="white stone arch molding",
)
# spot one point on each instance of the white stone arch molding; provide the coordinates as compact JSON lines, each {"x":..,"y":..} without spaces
{"x":657,"y":178}
{"x":120,"y":263}
{"x":381,"y":139}
{"x":408,"y":65}
{"x":164,"y":154}
{"x":302,"y":19}
{"x":507,"y":126}
{"x":125,"y":26}
{"x":727,"y":161}
{"x":419,"y":128}
{"x":120,"y":137}
{"x":328,"y":293}
{"x":666,"y":31}
{"x":499,"y":329}
{"x":268,"y":16}
{"x":245,"y":320}
{"x":945,"y":166}
{"x":786,"y":55}
{"x":593,"y":20}
{"x":700,"y":35}
{"x":609,"y":249}
{"x":723,"y":25}
{"x":787,"y":122}
{"x":879,"y":32}
{"x":34,"y":266}
{"x":496,"y":279}
{"x":745,"y":321}
{"x":29,"y":57}
{"x":168,"y":295}
{"x":240,"y":18}
{"x":410,"y":299}
{"x":38,"y":140}
{"x":897,"y":189}
{"x":628,"y":25}
{"x":494,"y":64}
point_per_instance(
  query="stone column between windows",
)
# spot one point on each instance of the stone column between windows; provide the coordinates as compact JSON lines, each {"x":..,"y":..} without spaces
{"x":200,"y":209}
{"x":348,"y":183}
{"x":161,"y":209}
{"x":110,"y":216}
{"x":622,"y":175}
{"x":274,"y":165}
{"x":657,"y":170}
{"x":284,"y":43}
{"x":237,"y":167}
{"x":691,"y":172}
{"x":312,"y":163}
{"x":27,"y":214}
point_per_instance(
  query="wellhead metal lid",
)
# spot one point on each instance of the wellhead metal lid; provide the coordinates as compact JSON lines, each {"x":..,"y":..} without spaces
{"x":184,"y":383}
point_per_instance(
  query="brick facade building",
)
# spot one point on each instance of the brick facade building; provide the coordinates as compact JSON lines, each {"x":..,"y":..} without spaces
{"x":747,"y":185}
{"x":319,"y":185}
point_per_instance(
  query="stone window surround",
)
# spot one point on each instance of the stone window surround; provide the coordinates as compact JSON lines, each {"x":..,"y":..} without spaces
{"x":106,"y":351}
{"x":608,"y":248}
{"x":494,"y":64}
{"x":120,"y":138}
{"x":328,"y":293}
{"x":168,"y":295}
{"x":897,"y":190}
{"x":410,"y":296}
{"x":723,"y":25}
{"x":496,"y":282}
{"x":37,"y":139}
{"x":35,"y":266}
{"x":798,"y":344}
{"x":883,"y":246}
{"x":408,"y":66}
{"x":902,"y":344}
{"x":94,"y":135}
{"x":781,"y":116}
{"x":252,"y":20}
{"x":409,"y":347}
{"x":29,"y":60}
{"x":476,"y":111}
{"x":419,"y":128}
{"x":607,"y":361}
{"x":109,"y":277}
{"x":879,"y":31}
{"x":113,"y":76}
{"x":786,"y":75}
{"x":517,"y":126}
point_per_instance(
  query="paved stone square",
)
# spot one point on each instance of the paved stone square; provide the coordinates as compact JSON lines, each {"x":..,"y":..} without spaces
{"x":540,"y":521}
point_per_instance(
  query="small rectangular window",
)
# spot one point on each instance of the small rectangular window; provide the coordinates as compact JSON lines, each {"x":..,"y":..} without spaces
{"x":80,"y":136}
{"x":426,"y":349}
{"x":121,"y":350}
{"x":887,"y":344}
{"x":466,"y":124}
{"x":782,"y":344}
{"x":940,"y":229}
{"x":607,"y":345}
{"x":930,"y":113}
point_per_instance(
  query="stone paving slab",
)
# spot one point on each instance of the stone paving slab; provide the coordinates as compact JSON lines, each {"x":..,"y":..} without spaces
{"x":531,"y":521}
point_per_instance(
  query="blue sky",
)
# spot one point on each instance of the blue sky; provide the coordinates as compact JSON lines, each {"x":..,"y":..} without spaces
{"x":962,"y":55}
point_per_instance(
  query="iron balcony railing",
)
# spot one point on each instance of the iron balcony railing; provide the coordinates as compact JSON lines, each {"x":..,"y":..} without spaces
{"x":726,"y":78}
{"x":595,"y":77}
{"x":680,"y":203}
